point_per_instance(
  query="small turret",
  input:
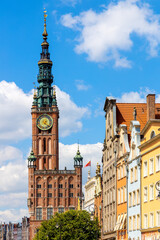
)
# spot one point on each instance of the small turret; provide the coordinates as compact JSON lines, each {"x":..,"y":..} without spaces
{"x":31,"y":160}
{"x":78,"y":159}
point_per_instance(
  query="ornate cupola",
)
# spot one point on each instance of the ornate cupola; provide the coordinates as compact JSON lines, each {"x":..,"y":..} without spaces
{"x":45,"y":77}
{"x":31,"y":160}
{"x":78,"y":159}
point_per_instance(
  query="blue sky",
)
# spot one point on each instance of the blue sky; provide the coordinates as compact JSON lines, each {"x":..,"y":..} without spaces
{"x":98,"y":49}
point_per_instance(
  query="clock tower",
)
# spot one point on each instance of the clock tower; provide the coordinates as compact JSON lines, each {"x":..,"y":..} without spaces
{"x":50,"y":190}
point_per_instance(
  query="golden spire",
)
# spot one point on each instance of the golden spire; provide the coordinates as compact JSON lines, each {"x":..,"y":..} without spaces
{"x":35,"y":93}
{"x":45,"y":31}
{"x":54,"y":90}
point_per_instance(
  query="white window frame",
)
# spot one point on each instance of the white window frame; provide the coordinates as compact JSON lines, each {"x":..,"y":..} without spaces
{"x":134,"y":198}
{"x":145,"y":220}
{"x":130,"y":199}
{"x":136,"y":173}
{"x":151,"y":166}
{"x":121,"y":194}
{"x":145,"y":197}
{"x":151,"y":194}
{"x":131,"y":177}
{"x":145,"y":169}
{"x":157,"y":163}
{"x":138,"y":196}
{"x":151,"y":224}
{"x":121,"y":167}
{"x":134,"y":222}
{"x":158,"y":218}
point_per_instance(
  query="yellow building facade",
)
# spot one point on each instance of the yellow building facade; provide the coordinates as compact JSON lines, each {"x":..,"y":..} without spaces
{"x":150,"y":174}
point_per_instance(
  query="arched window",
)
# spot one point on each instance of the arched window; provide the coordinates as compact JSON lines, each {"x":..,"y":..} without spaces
{"x":39,"y":146}
{"x":44,"y":145}
{"x":40,"y":163}
{"x":152,"y":134}
{"x":49,"y":146}
{"x":50,"y":163}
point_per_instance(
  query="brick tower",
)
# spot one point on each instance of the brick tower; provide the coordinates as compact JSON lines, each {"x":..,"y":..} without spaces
{"x":50,"y":190}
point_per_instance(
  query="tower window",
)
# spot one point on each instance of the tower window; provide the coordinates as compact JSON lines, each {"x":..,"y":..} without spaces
{"x":38,"y":185}
{"x":60,"y":209}
{"x":39,"y":213}
{"x":38,"y":195}
{"x":44,"y":160}
{"x":60,"y":195}
{"x":49,"y":213}
{"x":70,"y":194}
{"x":60,"y":186}
{"x":70,"y":185}
{"x":49,"y":195}
{"x":44,"y":144}
{"x":49,"y":185}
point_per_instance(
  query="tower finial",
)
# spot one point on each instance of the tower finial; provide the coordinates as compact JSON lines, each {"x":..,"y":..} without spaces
{"x":78,"y":144}
{"x":45,"y":31}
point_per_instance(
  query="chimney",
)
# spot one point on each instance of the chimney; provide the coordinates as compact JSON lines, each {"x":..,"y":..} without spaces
{"x":150,"y":106}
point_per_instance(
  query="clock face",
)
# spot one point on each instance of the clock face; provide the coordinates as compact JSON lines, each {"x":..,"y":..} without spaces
{"x":44,"y":122}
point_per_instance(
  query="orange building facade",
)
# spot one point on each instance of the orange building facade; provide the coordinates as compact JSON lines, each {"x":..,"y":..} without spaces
{"x":123,"y":153}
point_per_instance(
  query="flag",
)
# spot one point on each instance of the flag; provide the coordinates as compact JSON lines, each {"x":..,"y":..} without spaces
{"x":88,"y":164}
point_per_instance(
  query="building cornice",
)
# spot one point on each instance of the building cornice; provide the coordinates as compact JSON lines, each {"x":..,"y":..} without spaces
{"x":148,"y":124}
{"x":149,"y":141}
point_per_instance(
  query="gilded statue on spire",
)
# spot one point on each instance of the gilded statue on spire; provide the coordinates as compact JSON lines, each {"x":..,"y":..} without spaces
{"x":45,"y":31}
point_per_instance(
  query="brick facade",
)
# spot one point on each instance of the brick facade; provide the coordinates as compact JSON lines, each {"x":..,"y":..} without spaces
{"x":50,"y":190}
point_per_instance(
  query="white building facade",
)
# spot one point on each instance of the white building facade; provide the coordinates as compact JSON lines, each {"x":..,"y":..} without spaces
{"x":133,"y":188}
{"x":89,"y":194}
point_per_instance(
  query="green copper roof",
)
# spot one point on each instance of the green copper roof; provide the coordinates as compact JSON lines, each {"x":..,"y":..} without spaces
{"x":45,"y":77}
{"x":31,"y":157}
{"x":78,"y":156}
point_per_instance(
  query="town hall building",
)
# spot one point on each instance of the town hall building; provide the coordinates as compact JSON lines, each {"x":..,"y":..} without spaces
{"x":50,"y":190}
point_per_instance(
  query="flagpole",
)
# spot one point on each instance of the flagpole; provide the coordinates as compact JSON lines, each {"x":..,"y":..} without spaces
{"x":90,"y":169}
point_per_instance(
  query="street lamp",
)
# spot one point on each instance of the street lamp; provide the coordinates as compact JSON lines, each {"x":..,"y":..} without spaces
{"x":59,"y":226}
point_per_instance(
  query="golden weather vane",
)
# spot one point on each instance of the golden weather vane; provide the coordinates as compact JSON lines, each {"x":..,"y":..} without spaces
{"x":45,"y":15}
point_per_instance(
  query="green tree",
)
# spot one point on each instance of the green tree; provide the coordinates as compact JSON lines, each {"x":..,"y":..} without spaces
{"x":71,"y":225}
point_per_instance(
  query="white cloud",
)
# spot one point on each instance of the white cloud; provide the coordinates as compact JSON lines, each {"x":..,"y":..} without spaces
{"x":70,"y":2}
{"x":15,"y":105}
{"x":13,"y":215}
{"x":13,"y":177}
{"x":10,"y":153}
{"x":135,"y":97}
{"x":81,"y":86}
{"x":89,"y":152}
{"x":70,"y":114}
{"x":105,"y":35}
{"x":16,"y":200}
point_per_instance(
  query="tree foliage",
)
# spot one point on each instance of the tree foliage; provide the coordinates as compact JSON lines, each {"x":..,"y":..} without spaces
{"x":71,"y":225}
